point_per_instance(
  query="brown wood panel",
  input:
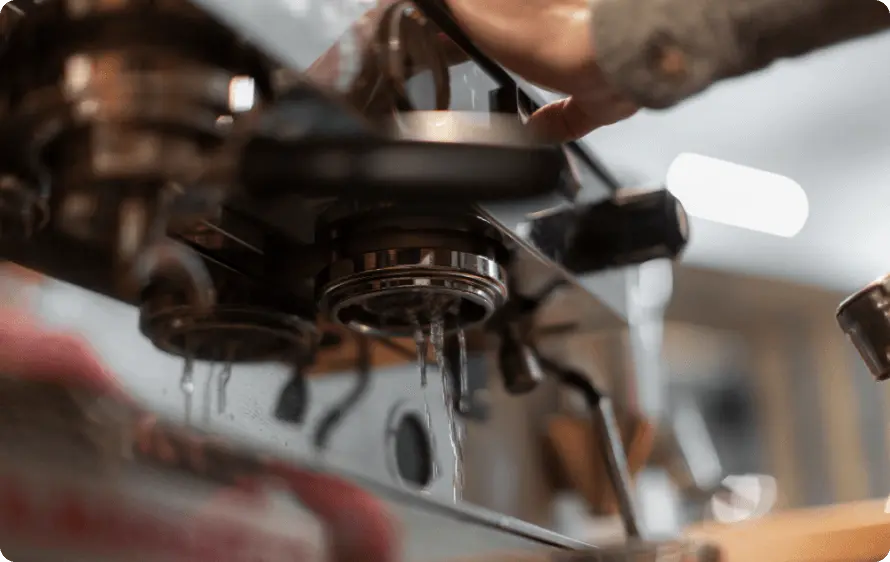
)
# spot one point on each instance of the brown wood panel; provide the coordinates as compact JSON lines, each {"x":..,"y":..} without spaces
{"x":838,"y":400}
{"x":389,"y":353}
{"x":770,"y":365}
{"x":732,"y":301}
{"x":344,"y":356}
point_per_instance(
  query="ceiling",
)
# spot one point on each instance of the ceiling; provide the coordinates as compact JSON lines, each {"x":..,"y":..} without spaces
{"x":820,"y":120}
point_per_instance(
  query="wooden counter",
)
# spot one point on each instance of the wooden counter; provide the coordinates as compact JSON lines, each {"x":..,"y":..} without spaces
{"x":856,"y":532}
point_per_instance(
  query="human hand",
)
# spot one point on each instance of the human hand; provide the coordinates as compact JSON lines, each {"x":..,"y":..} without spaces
{"x":550,"y":44}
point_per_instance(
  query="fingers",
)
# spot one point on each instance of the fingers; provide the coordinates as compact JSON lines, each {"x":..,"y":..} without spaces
{"x":30,"y":351}
{"x":357,"y":522}
{"x":568,"y":119}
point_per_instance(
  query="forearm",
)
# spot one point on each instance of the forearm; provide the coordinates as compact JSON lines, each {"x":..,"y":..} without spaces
{"x":659,"y":52}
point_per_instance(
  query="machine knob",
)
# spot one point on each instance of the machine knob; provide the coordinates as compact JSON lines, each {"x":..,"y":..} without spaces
{"x":628,"y":230}
{"x":865,"y":318}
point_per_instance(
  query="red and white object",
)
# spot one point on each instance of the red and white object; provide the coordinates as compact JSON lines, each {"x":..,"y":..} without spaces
{"x":88,"y":475}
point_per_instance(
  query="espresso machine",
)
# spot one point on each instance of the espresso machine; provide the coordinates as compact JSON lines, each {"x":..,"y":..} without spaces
{"x":277,"y":181}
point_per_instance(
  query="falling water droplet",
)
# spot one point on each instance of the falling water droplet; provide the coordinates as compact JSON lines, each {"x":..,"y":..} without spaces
{"x":187,"y":385}
{"x":434,"y":457}
{"x":208,"y":394}
{"x":464,"y":375}
{"x":224,"y":377}
{"x":437,"y":335}
{"x":420,"y":342}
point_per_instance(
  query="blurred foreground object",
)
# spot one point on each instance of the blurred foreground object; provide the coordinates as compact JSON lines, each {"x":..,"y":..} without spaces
{"x":87,"y":474}
{"x":130,"y":483}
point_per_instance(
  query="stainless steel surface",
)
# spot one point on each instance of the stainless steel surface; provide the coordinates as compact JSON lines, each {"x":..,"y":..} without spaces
{"x":568,"y":308}
{"x":505,"y":483}
{"x":461,"y":126}
{"x":497,"y":530}
{"x":228,"y":333}
{"x":147,"y":463}
{"x":865,"y":319}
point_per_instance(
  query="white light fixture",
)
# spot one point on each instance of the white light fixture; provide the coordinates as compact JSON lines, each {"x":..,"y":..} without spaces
{"x":739,"y":196}
{"x":242,"y":94}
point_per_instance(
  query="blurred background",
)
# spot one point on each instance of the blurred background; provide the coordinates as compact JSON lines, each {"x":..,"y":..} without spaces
{"x":733,"y":352}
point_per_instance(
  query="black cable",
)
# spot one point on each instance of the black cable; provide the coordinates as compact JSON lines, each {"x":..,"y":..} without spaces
{"x":334,"y":416}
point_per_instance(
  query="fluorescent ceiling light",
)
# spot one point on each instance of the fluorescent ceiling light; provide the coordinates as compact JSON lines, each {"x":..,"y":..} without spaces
{"x":739,"y":196}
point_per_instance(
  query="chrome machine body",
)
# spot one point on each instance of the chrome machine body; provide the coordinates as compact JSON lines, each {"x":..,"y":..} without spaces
{"x":267,"y":181}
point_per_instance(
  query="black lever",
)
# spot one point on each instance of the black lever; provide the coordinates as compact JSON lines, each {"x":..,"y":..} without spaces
{"x":627,"y":230}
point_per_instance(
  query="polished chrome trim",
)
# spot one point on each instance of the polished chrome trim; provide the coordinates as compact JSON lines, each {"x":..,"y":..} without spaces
{"x":354,"y":281}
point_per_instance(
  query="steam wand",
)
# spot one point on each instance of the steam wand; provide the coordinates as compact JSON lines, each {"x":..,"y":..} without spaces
{"x":611,"y":446}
